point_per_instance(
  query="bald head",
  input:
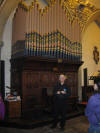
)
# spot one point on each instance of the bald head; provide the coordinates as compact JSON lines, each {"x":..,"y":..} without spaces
{"x":62,"y":78}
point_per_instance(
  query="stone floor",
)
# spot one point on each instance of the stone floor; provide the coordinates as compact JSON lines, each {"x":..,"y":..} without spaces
{"x":75,"y":125}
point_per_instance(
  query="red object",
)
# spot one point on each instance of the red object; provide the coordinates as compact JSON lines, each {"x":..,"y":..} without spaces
{"x":10,"y":96}
{"x":84,"y":103}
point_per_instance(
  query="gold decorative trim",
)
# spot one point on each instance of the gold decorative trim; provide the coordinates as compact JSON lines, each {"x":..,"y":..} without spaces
{"x":74,"y":9}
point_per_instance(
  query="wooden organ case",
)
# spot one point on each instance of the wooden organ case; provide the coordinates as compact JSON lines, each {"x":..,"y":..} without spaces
{"x":45,"y":44}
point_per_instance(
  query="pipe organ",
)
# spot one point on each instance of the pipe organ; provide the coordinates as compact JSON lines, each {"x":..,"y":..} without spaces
{"x":45,"y":43}
{"x":47,"y":32}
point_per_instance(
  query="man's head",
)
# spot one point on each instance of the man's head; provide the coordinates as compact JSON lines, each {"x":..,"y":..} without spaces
{"x":62,"y":78}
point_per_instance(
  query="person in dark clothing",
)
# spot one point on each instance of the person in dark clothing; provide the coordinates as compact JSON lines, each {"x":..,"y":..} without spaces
{"x":61,"y":93}
{"x":92,"y":110}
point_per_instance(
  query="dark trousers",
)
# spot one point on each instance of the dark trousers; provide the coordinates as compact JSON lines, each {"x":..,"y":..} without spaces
{"x":60,"y":109}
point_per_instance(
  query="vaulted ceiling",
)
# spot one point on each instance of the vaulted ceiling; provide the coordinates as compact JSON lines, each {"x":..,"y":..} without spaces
{"x":7,"y":6}
{"x":96,"y":3}
{"x":5,"y":11}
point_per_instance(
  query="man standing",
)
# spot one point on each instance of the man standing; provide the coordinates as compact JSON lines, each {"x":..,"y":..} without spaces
{"x":61,"y":93}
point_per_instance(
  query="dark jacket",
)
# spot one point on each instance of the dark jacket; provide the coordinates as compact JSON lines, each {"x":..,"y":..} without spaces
{"x":93,"y":110}
{"x":60,"y":88}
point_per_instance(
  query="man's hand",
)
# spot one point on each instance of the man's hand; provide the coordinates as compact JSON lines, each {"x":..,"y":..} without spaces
{"x":63,"y":92}
{"x":58,"y":92}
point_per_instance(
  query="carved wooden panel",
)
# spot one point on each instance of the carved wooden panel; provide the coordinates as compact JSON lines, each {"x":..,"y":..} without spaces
{"x":35,"y":79}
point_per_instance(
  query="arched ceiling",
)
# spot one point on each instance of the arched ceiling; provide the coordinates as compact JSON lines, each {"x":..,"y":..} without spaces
{"x":5,"y":11}
{"x":96,"y":3}
{"x":7,"y":6}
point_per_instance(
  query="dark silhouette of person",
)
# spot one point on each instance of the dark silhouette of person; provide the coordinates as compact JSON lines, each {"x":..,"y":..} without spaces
{"x":61,"y":93}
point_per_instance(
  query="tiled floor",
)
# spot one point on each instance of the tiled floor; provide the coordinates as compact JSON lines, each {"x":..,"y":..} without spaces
{"x":76,"y":125}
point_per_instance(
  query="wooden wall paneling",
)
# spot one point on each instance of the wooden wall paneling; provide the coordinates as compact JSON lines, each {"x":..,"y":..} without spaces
{"x":27,"y":101}
{"x":33,"y":75}
{"x":38,"y":89}
{"x":72,"y":81}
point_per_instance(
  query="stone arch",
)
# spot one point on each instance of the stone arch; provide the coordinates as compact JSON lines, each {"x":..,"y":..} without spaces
{"x":91,"y":19}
